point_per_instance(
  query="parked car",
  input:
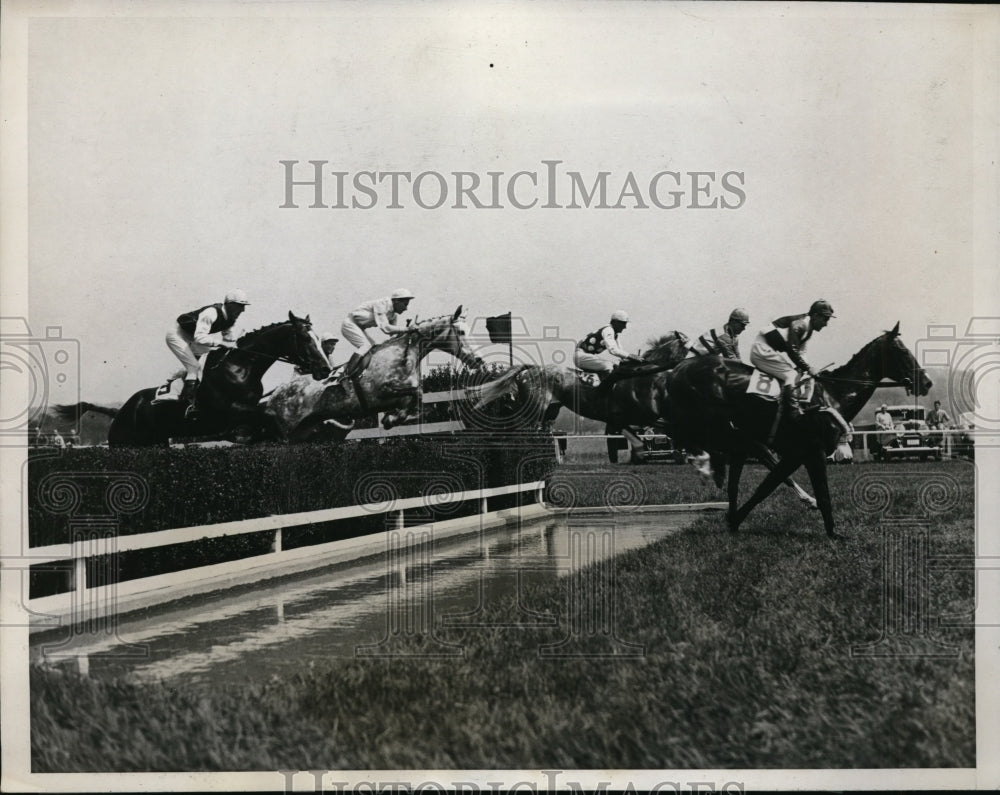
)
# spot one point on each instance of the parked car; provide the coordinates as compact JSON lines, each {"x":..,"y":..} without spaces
{"x":656,"y":446}
{"x":911,"y":439}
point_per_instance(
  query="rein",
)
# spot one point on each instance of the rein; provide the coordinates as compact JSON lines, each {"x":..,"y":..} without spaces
{"x":862,"y":381}
{"x":272,"y":356}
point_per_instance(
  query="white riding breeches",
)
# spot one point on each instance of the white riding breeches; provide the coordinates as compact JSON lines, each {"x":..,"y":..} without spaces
{"x":188,"y":351}
{"x":357,"y":336}
{"x":592,"y":362}
{"x":768,"y":360}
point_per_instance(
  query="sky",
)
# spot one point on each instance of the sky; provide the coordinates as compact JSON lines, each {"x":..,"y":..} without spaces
{"x":155,"y":183}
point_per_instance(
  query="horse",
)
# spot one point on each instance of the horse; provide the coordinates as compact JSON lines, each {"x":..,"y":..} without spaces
{"x":229,"y":392}
{"x":302,"y":410}
{"x":631,"y":395}
{"x":708,"y":405}
{"x":636,"y":398}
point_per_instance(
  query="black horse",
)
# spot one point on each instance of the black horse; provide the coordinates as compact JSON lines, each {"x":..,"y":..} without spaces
{"x":708,"y":407}
{"x":230,"y":389}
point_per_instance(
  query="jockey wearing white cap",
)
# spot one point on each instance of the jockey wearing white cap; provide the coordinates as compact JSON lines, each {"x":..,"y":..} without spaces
{"x":381,"y":313}
{"x":328,"y":342}
{"x":194,"y":334}
{"x":588,"y":354}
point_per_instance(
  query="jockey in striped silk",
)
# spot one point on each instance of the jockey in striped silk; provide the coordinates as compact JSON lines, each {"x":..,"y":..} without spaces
{"x":722,"y":342}
{"x":778,"y":349}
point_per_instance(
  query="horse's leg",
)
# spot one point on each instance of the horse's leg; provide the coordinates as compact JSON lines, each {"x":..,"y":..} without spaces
{"x":634,"y":441}
{"x":786,"y":466}
{"x":305,"y":430}
{"x":815,"y":462}
{"x":551,"y":412}
{"x":718,"y":463}
{"x":736,"y":462}
{"x":613,"y":444}
{"x":770,"y":460}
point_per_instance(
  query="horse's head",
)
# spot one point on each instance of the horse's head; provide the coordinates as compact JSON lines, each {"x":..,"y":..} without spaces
{"x":667,"y":350}
{"x":895,"y":361}
{"x":306,"y":349}
{"x":448,"y":333}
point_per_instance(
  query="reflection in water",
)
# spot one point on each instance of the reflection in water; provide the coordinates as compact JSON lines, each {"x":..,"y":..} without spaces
{"x":362,"y":609}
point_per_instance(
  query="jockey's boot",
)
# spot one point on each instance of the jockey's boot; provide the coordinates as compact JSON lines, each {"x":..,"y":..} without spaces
{"x":353,"y":366}
{"x":790,"y":400}
{"x":605,"y":381}
{"x":188,"y":396}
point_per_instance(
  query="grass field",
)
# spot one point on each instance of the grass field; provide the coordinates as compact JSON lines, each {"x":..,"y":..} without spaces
{"x":757,"y":653}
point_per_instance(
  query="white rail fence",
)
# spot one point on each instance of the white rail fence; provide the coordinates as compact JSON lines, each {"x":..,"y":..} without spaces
{"x":88,"y":601}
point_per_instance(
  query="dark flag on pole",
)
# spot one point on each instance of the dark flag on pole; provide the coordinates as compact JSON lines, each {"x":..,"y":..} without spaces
{"x":499,"y":328}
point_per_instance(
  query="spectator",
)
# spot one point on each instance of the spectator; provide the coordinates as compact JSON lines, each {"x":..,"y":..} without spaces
{"x":883,"y":422}
{"x":938,"y":420}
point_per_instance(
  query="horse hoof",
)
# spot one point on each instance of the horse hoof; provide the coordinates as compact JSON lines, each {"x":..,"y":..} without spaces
{"x":833,"y":535}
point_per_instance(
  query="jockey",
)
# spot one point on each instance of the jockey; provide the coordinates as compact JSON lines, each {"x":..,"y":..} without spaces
{"x":328,"y":341}
{"x":194,"y":334}
{"x":778,"y":349}
{"x":587,"y":355}
{"x":722,"y":342}
{"x":381,"y":313}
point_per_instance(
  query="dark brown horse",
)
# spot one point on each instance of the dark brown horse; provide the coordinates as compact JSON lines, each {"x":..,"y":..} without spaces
{"x":636,"y":398}
{"x":229,"y":392}
{"x":708,"y":407}
{"x":634,"y":395}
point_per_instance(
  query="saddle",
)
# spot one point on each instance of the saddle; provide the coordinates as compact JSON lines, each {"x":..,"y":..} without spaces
{"x":762,"y":385}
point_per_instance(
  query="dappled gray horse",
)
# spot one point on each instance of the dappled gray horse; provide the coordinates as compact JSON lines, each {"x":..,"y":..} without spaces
{"x":304,"y":410}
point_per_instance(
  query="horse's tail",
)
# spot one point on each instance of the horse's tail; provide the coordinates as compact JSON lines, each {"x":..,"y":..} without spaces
{"x":75,"y":411}
{"x":493,"y":390}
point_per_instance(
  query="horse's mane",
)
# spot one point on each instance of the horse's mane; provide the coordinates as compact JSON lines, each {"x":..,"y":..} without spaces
{"x":849,"y":365}
{"x":247,"y":335}
{"x":413,"y":328}
{"x":430,"y":321}
{"x":666,"y":348}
